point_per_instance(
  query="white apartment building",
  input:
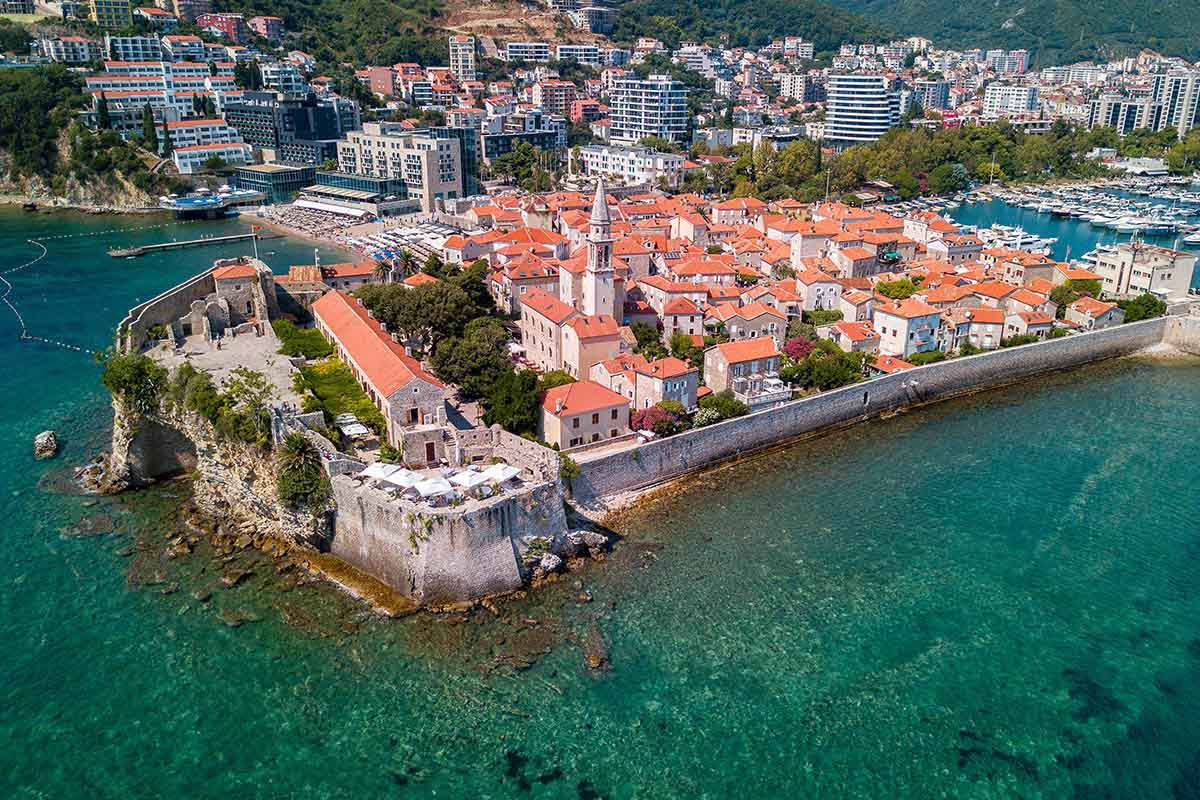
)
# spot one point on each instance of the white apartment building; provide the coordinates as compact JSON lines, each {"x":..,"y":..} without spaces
{"x":430,"y":168}
{"x":189,"y":160}
{"x":791,"y":87}
{"x":462,"y":57}
{"x":628,"y":165}
{"x":859,"y":108}
{"x":191,"y":132}
{"x":1002,"y":99}
{"x":1179,"y":93}
{"x":656,"y":106}
{"x":183,"y":47}
{"x":583,"y":53}
{"x":534,"y":52}
{"x":71,"y":49}
{"x":133,"y":48}
{"x":1133,"y":269}
{"x":931,"y":94}
{"x":283,"y":77}
{"x":797,"y":48}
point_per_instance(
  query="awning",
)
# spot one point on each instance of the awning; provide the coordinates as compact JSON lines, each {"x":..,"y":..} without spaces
{"x":434,"y":487}
{"x":378,"y":470}
{"x":501,"y":472}
{"x":469,"y":479}
{"x":332,"y":209}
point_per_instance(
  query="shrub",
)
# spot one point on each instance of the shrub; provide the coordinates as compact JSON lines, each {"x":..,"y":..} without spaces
{"x":706,"y":416}
{"x":725,"y":404}
{"x":655,"y":418}
{"x":1145,"y":306}
{"x":1017,"y":341}
{"x":135,"y":380}
{"x":930,"y":357}
{"x":822,"y":316}
{"x":336,"y":391}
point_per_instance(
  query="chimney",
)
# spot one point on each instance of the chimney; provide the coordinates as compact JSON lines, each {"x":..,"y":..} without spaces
{"x":558,"y":406}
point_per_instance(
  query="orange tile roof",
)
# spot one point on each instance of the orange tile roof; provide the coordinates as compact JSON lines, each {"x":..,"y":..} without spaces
{"x":597,"y":326}
{"x":579,"y":398}
{"x":1091,"y":307}
{"x":419,"y":279}
{"x":907,"y":309}
{"x":381,"y":358}
{"x":748,"y":349}
{"x":547,"y":305}
{"x":234,"y":271}
{"x":891,"y":364}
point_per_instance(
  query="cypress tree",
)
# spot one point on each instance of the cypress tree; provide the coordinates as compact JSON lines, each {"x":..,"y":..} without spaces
{"x":103,"y":121}
{"x":149,"y":131}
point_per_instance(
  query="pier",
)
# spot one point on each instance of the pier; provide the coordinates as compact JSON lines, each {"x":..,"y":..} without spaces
{"x":141,"y":250}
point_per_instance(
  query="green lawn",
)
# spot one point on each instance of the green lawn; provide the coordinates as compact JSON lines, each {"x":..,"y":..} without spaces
{"x":307,"y":342}
{"x":333,"y":384}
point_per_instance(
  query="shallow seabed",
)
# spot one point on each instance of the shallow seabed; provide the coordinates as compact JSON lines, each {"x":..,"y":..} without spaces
{"x":992,"y":597}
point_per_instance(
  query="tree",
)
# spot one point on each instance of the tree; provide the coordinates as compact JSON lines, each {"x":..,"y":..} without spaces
{"x":426,"y":314}
{"x":301,"y":481}
{"x":725,"y":404}
{"x":474,"y":361}
{"x":928,"y":357}
{"x":657,"y":419}
{"x":473,"y":281}
{"x":649,"y":342}
{"x":512,"y":402}
{"x":134,"y":379}
{"x":103,"y":120}
{"x":948,"y":178}
{"x":552,"y":379}
{"x":1144,"y":306}
{"x":897,"y":289}
{"x":383,"y":271}
{"x":149,"y":129}
{"x":797,"y":349}
{"x":248,"y":75}
{"x":168,"y":145}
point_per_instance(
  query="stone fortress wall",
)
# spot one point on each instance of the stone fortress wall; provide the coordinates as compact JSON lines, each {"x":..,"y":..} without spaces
{"x":663,"y":459}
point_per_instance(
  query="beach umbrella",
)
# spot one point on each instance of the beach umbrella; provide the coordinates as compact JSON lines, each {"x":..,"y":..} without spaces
{"x":434,"y":487}
{"x":404,"y":478}
{"x":469,"y":479}
{"x":500,"y":472}
{"x":378,"y":470}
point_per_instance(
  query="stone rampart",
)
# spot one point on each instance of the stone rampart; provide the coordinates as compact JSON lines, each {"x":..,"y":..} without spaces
{"x":443,"y":555}
{"x":164,"y":309}
{"x":663,"y":459}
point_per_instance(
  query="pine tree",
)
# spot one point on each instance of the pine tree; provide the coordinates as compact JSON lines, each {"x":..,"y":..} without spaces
{"x":168,"y":145}
{"x":103,"y":121}
{"x":149,"y":130}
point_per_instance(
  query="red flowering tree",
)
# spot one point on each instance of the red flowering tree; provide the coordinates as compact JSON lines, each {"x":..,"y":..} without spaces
{"x":655,"y":418}
{"x":798,"y":349}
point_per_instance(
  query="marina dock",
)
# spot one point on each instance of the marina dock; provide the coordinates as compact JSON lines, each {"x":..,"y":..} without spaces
{"x":141,"y":250}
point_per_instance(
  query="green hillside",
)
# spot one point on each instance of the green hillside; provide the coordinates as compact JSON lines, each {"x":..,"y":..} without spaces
{"x":744,"y":22}
{"x":1054,"y":31}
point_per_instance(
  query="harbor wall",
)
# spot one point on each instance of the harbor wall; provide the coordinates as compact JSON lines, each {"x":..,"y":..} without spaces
{"x":663,"y":459}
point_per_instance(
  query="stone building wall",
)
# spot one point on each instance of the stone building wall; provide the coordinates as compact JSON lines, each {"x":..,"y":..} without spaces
{"x":443,"y":555}
{"x":663,"y":459}
{"x":165,"y":309}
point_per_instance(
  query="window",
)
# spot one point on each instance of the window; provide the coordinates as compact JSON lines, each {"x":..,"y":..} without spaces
{"x":574,"y":422}
{"x":595,"y":437}
{"x":614,"y":413}
{"x":612,"y":434}
{"x":595,"y":419}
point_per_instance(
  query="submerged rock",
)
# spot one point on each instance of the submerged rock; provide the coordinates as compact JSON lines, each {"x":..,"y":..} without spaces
{"x":45,"y":445}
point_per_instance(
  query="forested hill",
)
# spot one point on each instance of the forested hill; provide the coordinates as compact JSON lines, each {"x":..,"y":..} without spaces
{"x":745,"y":22}
{"x":1054,"y":31}
{"x":360,"y":31}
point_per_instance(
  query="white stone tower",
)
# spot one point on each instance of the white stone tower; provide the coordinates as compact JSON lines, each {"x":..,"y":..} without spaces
{"x":598,"y":292}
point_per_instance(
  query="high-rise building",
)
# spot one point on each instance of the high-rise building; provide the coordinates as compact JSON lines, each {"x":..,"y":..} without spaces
{"x":1179,"y":93}
{"x":1002,"y":99}
{"x":859,"y":108}
{"x":654,"y":106}
{"x":428,"y":168}
{"x":295,"y":130}
{"x":931,"y":94}
{"x":462,"y":57}
{"x":791,"y":87}
{"x":111,"y":13}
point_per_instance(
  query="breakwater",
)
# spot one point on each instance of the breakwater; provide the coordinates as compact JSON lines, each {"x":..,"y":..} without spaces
{"x":672,"y":457}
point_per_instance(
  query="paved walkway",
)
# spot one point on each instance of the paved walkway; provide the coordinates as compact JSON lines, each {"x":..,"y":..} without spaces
{"x":258,"y":353}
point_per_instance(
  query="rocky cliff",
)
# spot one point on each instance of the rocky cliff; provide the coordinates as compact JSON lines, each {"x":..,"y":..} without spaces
{"x":232,"y":481}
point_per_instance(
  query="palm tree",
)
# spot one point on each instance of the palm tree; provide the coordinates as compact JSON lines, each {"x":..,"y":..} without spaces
{"x":408,"y":264}
{"x":383,"y":271}
{"x":297,"y":454}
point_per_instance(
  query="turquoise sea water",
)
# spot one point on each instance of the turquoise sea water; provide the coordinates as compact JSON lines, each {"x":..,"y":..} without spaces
{"x":1075,"y":237}
{"x":995,"y":597}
